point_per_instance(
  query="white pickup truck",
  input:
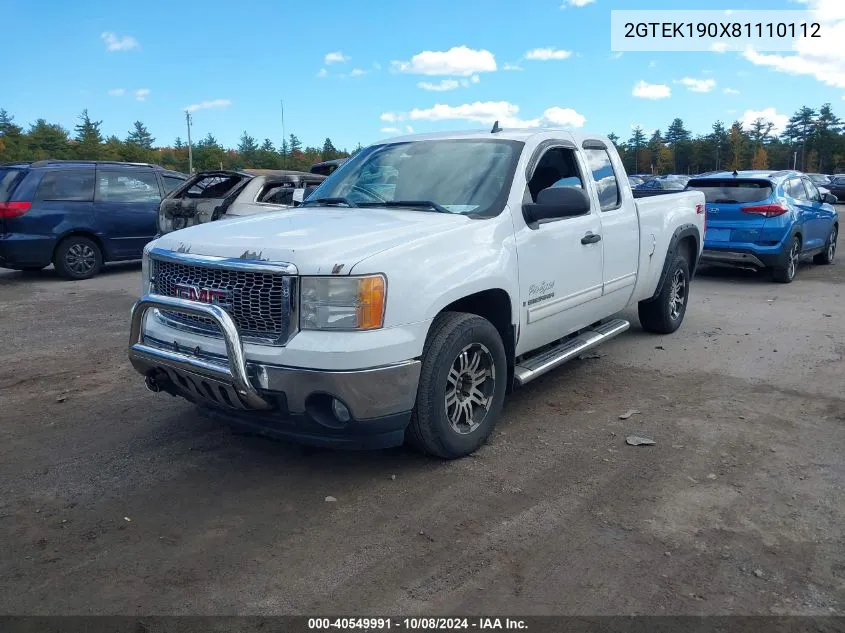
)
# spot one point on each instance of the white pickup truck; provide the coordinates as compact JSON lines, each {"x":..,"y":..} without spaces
{"x":421,"y":281}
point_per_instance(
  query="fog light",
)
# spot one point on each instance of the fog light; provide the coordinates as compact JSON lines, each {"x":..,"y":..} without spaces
{"x":340,"y":411}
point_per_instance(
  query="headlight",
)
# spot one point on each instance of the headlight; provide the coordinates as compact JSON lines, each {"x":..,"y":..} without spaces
{"x":342,"y":303}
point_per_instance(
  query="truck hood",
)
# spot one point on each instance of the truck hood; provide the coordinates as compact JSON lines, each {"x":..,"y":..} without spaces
{"x":318,"y":240}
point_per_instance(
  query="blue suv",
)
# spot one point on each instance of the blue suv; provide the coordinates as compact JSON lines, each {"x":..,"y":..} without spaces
{"x":764,"y":219}
{"x":79,"y":214}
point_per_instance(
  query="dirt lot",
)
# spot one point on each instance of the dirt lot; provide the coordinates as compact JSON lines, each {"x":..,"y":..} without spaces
{"x":115,"y":500}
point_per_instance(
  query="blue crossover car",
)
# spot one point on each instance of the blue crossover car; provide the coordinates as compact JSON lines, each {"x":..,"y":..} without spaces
{"x":79,"y":214}
{"x":764,"y":219}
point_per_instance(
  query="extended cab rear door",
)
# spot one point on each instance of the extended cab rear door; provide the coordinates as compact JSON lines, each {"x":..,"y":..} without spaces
{"x":620,"y":230}
{"x":560,"y":260}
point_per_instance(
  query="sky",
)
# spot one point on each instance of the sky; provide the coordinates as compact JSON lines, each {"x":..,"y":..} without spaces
{"x":362,"y":70}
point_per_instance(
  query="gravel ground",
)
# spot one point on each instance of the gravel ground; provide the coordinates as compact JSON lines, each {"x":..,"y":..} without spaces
{"x":114,"y":500}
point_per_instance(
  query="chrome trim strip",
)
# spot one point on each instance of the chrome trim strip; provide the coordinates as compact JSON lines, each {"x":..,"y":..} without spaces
{"x":236,"y":373}
{"x":231,"y":263}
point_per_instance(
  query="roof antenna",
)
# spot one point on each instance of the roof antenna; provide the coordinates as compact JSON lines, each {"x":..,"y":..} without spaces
{"x":735,"y":173}
{"x":496,"y":128}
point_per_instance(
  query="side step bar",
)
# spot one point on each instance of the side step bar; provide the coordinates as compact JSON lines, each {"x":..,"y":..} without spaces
{"x":534,"y":366}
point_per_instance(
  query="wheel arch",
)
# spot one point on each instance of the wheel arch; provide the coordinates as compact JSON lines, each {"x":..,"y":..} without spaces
{"x":687,"y":239}
{"x":493,"y":304}
{"x":87,"y":233}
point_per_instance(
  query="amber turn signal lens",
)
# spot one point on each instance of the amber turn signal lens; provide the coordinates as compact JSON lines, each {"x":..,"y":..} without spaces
{"x":371,"y":292}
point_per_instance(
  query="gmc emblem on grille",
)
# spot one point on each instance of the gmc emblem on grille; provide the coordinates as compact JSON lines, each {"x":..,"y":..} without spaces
{"x":202,"y":295}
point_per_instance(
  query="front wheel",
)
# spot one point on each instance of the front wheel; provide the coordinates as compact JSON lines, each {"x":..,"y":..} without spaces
{"x":664,"y":313}
{"x":829,"y":253}
{"x":461,"y":388}
{"x":786,"y":273}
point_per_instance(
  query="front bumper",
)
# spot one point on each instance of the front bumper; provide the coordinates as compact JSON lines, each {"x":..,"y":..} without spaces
{"x":287,"y":401}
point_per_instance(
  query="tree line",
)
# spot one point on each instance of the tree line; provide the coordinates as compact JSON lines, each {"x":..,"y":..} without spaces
{"x":43,"y":140}
{"x":812,"y":141}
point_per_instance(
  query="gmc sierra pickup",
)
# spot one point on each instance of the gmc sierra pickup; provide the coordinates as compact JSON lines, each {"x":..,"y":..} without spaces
{"x":415,"y":286}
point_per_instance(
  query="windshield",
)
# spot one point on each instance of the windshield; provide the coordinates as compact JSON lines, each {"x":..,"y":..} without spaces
{"x":467,"y":176}
{"x":819,"y":179}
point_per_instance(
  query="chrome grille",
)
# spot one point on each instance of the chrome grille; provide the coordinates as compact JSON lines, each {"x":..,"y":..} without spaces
{"x":261,"y":302}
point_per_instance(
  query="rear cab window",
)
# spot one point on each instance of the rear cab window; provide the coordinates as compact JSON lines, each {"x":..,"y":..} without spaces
{"x":66,"y":185}
{"x":607,"y":186}
{"x":213,"y":187}
{"x":732,"y":191}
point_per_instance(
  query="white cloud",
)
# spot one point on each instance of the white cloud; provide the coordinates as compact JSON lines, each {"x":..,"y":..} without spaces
{"x":511,"y":67}
{"x":545,"y":54}
{"x":459,"y":61}
{"x":698,"y":85}
{"x":645,"y":90}
{"x":117,"y":92}
{"x":730,"y":91}
{"x":335,"y":58}
{"x":390,"y":130}
{"x":719,"y":47}
{"x":616,"y":55}
{"x":768,"y":114}
{"x":115,"y":43}
{"x":652,"y":64}
{"x":441,"y":86}
{"x":357,"y":72}
{"x":489,"y":111}
{"x":409,"y":129}
{"x":207,"y":105}
{"x":142,"y":93}
{"x":376,"y":66}
{"x":323,"y":73}
{"x":820,"y":58}
{"x":575,"y":3}
{"x":474,"y":79}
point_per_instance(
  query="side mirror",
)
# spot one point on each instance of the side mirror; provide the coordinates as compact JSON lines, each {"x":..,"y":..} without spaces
{"x":555,"y":203}
{"x":829,"y":198}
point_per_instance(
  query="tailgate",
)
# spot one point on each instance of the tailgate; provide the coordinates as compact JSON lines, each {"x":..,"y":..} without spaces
{"x":725,"y":199}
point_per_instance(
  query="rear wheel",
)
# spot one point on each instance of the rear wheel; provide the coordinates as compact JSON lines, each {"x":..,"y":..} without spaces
{"x":664,"y":313}
{"x":78,"y":257}
{"x":829,"y":253}
{"x":786,"y":273}
{"x":462,"y":386}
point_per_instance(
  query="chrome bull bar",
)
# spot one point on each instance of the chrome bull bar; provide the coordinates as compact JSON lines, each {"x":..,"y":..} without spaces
{"x":234,"y":374}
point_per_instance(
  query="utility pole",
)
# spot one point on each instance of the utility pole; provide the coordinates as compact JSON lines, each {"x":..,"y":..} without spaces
{"x":794,"y":160}
{"x":190,"y":151}
{"x":284,"y":138}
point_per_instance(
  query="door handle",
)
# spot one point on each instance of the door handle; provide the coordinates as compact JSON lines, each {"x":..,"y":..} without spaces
{"x":591,"y":238}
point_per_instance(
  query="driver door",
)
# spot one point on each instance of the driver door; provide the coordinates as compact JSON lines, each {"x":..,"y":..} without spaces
{"x":560,"y":260}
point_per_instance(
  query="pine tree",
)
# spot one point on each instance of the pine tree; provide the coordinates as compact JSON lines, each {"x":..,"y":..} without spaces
{"x":295,"y":145}
{"x":89,"y":140}
{"x":636,"y":143}
{"x":329,"y":152}
{"x":800,"y":127}
{"x":248,"y":149}
{"x":140,"y":136}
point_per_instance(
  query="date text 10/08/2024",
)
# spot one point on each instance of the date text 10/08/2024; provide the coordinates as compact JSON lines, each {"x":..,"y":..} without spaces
{"x":416,"y":624}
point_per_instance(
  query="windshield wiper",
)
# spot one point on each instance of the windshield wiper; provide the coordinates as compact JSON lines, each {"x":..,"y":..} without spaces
{"x":428,"y":204}
{"x":345,"y":201}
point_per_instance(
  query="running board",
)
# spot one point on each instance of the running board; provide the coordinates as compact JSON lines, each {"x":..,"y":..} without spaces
{"x":534,"y":366}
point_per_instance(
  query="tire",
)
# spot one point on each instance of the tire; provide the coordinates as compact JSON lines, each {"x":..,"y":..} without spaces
{"x":447,"y":422}
{"x":664,"y":313}
{"x":78,"y":257}
{"x":785,"y":274}
{"x":829,"y":254}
